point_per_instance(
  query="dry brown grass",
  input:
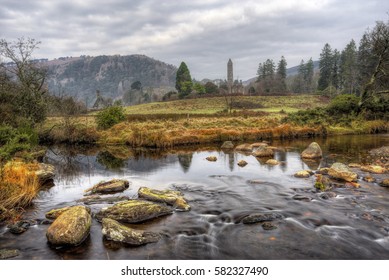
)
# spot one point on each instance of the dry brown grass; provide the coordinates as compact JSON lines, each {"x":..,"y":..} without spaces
{"x":19,"y":185}
{"x":166,"y":133}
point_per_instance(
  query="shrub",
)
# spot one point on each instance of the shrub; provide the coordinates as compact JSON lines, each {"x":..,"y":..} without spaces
{"x":109,"y":117}
{"x":343,"y":104}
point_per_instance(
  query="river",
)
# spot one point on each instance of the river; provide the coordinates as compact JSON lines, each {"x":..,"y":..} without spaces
{"x":352,"y":225}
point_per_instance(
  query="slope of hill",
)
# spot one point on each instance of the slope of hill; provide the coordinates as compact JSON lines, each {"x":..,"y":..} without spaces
{"x":112,"y":76}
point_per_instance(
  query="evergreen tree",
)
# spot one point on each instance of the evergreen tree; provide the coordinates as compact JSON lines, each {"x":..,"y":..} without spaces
{"x":281,"y":74}
{"x":348,"y":68}
{"x":335,"y":78}
{"x":183,"y":81}
{"x":326,"y":67}
{"x":308,"y":77}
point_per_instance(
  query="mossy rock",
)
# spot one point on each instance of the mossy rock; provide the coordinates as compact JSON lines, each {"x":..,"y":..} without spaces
{"x":112,"y":186}
{"x":174,"y":198}
{"x":55,"y":213}
{"x":341,"y":171}
{"x":71,"y":228}
{"x":8,"y":253}
{"x":375,"y":169}
{"x":113,"y":230}
{"x":134,"y":211}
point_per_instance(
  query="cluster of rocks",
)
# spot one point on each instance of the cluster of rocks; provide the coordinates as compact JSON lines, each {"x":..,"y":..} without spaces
{"x":258,"y":150}
{"x":70,"y":226}
{"x":337,"y":174}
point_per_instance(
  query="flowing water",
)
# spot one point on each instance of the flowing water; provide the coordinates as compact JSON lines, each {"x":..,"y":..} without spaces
{"x":352,"y":225}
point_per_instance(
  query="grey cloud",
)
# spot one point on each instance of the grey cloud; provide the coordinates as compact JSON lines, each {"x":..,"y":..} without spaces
{"x":203,"y":33}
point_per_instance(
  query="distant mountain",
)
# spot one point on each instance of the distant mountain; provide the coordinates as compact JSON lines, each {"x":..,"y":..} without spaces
{"x":111,"y":76}
{"x":292,"y":71}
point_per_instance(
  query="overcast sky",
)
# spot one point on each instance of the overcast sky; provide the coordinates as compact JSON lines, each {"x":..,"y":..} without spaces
{"x":203,"y":33}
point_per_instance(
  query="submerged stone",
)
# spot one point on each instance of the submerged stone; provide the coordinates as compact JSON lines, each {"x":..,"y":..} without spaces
{"x":96,"y":199}
{"x":19,"y":227}
{"x":134,"y":211}
{"x":8,"y":253}
{"x":71,"y":228}
{"x":313,"y":151}
{"x":257,"y":218}
{"x":301,"y":197}
{"x":174,"y":198}
{"x":113,"y":230}
{"x":268,"y":226}
{"x":112,"y":186}
{"x":342,"y":172}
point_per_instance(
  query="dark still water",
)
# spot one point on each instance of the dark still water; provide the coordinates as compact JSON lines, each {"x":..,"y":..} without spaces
{"x":352,"y":225}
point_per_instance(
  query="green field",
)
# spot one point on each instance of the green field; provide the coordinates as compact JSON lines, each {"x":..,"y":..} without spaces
{"x":271,"y":104}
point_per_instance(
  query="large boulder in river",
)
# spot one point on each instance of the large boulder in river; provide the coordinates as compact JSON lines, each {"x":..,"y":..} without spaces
{"x":71,"y":228}
{"x":313,"y":151}
{"x":134,"y":211}
{"x":342,"y":172}
{"x":112,"y":186}
{"x":263,"y":151}
{"x":227,"y":145}
{"x":113,"y":230}
{"x":174,"y":198}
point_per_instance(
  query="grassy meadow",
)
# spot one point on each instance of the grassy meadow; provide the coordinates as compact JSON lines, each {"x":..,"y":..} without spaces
{"x":190,"y":121}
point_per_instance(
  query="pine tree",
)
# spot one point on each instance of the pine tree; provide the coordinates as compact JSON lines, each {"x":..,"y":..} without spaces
{"x":308,"y":78}
{"x":335,"y":78}
{"x":326,"y":67}
{"x":183,"y":81}
{"x":348,"y":68}
{"x":281,"y":74}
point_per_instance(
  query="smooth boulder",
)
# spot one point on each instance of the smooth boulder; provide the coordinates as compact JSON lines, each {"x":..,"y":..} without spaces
{"x":134,"y":211}
{"x":272,"y":162}
{"x":71,"y":228}
{"x":112,"y":186}
{"x":341,"y":171}
{"x":174,"y":198}
{"x":313,"y":151}
{"x":385,"y":183}
{"x":114,"y":231}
